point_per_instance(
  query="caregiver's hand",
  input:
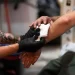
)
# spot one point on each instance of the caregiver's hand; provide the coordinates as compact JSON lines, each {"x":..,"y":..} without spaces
{"x":39,"y":21}
{"x":29,"y":58}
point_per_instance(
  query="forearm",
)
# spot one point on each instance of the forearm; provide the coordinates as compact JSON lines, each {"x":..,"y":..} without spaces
{"x":61,"y":25}
{"x":8,"y":50}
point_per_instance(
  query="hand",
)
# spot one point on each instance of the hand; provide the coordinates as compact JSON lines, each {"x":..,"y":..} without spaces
{"x":30,"y":33}
{"x":30,"y":45}
{"x":39,"y":21}
{"x":29,"y":58}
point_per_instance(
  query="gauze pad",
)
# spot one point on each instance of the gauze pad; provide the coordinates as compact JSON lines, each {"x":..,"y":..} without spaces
{"x":44,"y":30}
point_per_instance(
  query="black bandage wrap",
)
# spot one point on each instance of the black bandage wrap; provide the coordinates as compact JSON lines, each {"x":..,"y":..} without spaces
{"x":31,"y":32}
{"x":30,"y":45}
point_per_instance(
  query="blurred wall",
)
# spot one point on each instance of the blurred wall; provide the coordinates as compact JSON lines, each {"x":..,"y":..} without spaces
{"x":20,"y":19}
{"x":0,"y":19}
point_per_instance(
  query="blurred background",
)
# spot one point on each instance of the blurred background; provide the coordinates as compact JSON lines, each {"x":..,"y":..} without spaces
{"x":17,"y":15}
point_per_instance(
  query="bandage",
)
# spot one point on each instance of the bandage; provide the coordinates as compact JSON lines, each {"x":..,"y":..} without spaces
{"x":30,"y":58}
{"x":43,"y":30}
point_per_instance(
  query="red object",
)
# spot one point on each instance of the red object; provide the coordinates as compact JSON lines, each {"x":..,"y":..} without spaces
{"x":7,"y":15}
{"x":9,"y":28}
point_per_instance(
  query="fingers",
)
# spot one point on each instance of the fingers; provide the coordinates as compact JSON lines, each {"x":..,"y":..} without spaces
{"x":43,"y":19}
{"x":21,"y":55}
{"x":29,"y":59}
{"x":37,"y":33}
{"x":36,"y":56}
{"x":34,"y":24}
{"x":26,"y":59}
{"x":27,"y":62}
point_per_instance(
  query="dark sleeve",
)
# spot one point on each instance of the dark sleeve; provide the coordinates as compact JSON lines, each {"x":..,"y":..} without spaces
{"x":52,"y":68}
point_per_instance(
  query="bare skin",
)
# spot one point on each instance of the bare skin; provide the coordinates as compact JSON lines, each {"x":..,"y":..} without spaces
{"x":57,"y":28}
{"x":8,"y":50}
{"x":44,"y":20}
{"x":59,"y":25}
{"x":29,"y":58}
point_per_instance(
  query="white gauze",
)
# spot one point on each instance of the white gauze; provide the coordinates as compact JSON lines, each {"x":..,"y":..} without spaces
{"x":43,"y":30}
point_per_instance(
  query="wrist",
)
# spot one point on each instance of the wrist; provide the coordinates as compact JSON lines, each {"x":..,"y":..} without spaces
{"x":18,"y":47}
{"x":21,"y":46}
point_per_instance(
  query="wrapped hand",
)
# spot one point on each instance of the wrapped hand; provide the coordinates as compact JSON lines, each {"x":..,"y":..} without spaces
{"x":30,"y":44}
{"x":29,"y":58}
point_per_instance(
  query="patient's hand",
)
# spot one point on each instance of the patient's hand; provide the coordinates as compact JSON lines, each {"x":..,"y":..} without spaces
{"x":29,"y":58}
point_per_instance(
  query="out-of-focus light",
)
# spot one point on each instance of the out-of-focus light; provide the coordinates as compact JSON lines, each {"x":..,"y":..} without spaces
{"x":61,"y":0}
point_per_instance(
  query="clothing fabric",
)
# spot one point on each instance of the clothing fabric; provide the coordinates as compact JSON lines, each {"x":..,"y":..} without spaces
{"x":59,"y":66}
{"x":48,"y":8}
{"x":10,"y":67}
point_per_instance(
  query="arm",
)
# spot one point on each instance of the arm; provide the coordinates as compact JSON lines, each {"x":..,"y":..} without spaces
{"x":8,"y":38}
{"x":61,"y":25}
{"x":25,"y":45}
{"x":8,"y":50}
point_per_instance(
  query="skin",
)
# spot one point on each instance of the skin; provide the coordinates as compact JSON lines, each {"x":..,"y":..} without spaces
{"x":8,"y":38}
{"x":44,"y":19}
{"x":59,"y":25}
{"x":8,"y":50}
{"x":57,"y":28}
{"x":28,"y":58}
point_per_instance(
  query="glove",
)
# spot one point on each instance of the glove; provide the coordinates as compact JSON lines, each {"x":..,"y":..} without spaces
{"x":29,"y":58}
{"x":30,"y":33}
{"x":30,"y":45}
